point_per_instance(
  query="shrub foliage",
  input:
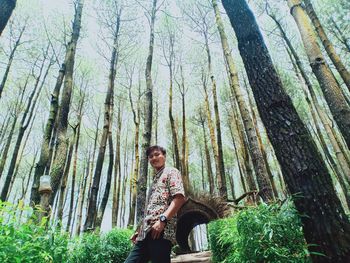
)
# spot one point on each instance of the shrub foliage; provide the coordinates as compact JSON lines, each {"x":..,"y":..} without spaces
{"x":31,"y":241}
{"x":267,"y":233}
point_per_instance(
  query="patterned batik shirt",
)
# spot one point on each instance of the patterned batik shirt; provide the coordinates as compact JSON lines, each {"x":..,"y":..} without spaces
{"x":166,"y":184}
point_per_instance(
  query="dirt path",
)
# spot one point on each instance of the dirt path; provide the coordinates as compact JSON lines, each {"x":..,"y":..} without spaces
{"x":200,"y":257}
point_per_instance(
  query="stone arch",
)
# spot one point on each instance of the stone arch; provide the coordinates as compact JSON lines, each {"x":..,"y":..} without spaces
{"x":191,"y":214}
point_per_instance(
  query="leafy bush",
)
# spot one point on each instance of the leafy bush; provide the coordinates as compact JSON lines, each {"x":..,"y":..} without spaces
{"x":263,"y":234}
{"x":113,"y":246}
{"x":29,"y":241}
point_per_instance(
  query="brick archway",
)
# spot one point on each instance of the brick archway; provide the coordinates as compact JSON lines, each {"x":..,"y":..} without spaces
{"x":191,"y":214}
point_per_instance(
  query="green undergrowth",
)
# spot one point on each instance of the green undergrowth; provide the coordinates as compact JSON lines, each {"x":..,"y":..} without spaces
{"x":31,"y":241}
{"x":267,"y":233}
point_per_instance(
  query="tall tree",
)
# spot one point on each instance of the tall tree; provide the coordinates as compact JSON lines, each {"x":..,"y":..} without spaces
{"x":168,"y":46}
{"x":108,"y":110}
{"x":147,"y":134}
{"x":62,"y":140}
{"x":331,"y":90}
{"x":6,"y":9}
{"x":136,"y":111}
{"x":303,"y":169}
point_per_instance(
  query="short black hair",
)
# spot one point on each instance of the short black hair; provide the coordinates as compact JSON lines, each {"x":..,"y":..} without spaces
{"x":155,"y":148}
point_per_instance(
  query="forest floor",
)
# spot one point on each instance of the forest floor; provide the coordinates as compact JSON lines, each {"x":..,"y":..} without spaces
{"x":200,"y":257}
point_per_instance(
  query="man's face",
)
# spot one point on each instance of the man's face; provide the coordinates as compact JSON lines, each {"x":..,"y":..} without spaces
{"x":156,"y":159}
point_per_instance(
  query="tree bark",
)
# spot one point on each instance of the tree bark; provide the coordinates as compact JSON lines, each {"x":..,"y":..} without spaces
{"x":325,"y":224}
{"x":6,"y":9}
{"x":133,"y":180}
{"x":62,"y":143}
{"x":344,"y":73}
{"x":147,"y":134}
{"x":207,"y":154}
{"x":117,"y":172}
{"x":331,"y":90}
{"x":81,"y":197}
{"x":44,"y":158}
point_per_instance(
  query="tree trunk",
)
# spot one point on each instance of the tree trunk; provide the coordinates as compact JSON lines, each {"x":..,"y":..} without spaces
{"x":344,"y":73}
{"x":304,"y":171}
{"x":6,"y":8}
{"x":104,"y":201}
{"x":117,"y":172}
{"x":233,"y":137}
{"x":133,"y":180}
{"x":92,"y":206}
{"x":170,"y":62}
{"x":147,"y":134}
{"x":184,"y":157}
{"x":44,"y":158}
{"x":62,"y":143}
{"x":207,"y":154}
{"x":257,"y":157}
{"x":63,"y":195}
{"x":331,"y":90}
{"x":81,"y":197}
{"x":75,"y":161}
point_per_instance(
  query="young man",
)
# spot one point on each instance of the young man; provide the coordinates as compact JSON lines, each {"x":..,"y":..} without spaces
{"x":156,"y":234}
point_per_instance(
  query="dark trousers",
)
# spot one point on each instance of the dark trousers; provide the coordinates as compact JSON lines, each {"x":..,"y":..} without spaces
{"x":156,"y":251}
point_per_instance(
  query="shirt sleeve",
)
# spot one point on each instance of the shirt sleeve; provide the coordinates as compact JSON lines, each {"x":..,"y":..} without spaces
{"x":175,"y":183}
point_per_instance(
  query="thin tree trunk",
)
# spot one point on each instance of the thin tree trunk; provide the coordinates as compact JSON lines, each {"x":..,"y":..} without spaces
{"x":81,"y":197}
{"x":6,"y":8}
{"x":170,"y":62}
{"x":302,"y":166}
{"x":75,"y":161}
{"x":117,"y":167}
{"x":147,"y":134}
{"x":207,"y":154}
{"x":331,"y":90}
{"x":62,"y":143}
{"x":63,"y":195}
{"x":184,"y":166}
{"x":107,"y":189}
{"x":344,"y":73}
{"x":233,"y":137}
{"x":133,"y":180}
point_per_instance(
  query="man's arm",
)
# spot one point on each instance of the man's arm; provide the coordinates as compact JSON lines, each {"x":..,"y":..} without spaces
{"x":173,"y":208}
